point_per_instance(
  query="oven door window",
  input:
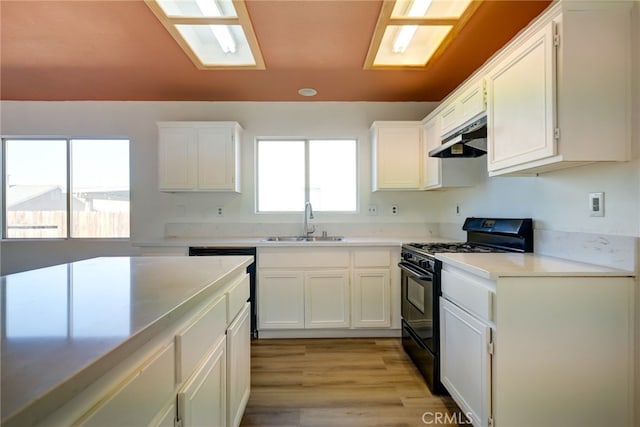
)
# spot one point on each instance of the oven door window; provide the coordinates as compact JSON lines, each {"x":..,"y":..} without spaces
{"x":415,"y":294}
{"x":417,"y":306}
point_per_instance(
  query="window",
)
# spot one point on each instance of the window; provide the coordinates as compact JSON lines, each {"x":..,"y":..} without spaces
{"x":292,"y":172}
{"x":38,"y":174}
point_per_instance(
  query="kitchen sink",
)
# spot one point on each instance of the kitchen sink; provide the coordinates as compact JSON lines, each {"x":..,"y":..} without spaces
{"x":304,"y":239}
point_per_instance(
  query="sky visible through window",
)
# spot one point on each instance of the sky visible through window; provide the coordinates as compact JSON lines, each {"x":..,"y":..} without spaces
{"x":285,"y":183}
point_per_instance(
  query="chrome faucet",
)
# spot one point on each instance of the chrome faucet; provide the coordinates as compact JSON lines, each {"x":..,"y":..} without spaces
{"x":308,"y":214}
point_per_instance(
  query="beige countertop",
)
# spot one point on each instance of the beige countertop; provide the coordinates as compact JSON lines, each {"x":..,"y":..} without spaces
{"x":65,"y":325}
{"x":495,"y":265}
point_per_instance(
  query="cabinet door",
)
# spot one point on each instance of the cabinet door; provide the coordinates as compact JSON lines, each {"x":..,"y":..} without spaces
{"x":326,"y":296}
{"x":472,"y":103}
{"x":465,"y":361}
{"x":521,"y":113}
{"x":449,"y":118}
{"x":201,"y":402}
{"x":280,"y":297}
{"x":398,"y":157}
{"x":431,"y":172}
{"x":216,"y":158}
{"x":371,"y":299}
{"x":177,"y":158}
{"x":238,"y":366}
{"x":146,"y":390}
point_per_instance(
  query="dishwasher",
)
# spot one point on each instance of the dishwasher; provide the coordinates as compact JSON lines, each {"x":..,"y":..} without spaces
{"x":251,"y":270}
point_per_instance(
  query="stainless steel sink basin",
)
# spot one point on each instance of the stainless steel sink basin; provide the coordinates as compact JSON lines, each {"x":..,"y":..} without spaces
{"x":304,"y":239}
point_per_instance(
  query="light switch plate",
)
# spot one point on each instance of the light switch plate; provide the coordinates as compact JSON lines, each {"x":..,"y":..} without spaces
{"x":596,"y":204}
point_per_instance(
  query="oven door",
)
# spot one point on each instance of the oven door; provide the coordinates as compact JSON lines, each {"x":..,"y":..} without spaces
{"x":418,"y":304}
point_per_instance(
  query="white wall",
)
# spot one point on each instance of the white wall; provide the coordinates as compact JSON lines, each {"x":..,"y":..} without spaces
{"x":151,"y":209}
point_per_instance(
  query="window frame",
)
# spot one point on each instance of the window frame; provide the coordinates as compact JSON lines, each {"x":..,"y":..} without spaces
{"x":68,"y":142}
{"x":307,"y":189}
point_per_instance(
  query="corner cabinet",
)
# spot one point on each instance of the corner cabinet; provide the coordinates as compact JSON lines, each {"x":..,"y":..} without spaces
{"x":199,"y":156}
{"x":549,"y":105}
{"x":396,"y":154}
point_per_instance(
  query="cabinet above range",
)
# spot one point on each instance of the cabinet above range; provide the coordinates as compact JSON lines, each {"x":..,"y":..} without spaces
{"x":199,"y":156}
{"x":400,"y":160}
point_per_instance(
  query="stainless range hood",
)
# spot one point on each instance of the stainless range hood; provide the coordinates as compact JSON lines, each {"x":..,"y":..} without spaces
{"x":469,"y":140}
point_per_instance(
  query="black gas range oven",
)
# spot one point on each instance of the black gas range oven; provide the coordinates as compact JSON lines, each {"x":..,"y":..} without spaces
{"x":420,"y":284}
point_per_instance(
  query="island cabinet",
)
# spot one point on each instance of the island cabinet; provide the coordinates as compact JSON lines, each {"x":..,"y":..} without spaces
{"x":396,"y":153}
{"x":311,"y":291}
{"x":199,"y":156}
{"x":559,"y":94}
{"x":537,"y":341}
{"x":194,"y":372}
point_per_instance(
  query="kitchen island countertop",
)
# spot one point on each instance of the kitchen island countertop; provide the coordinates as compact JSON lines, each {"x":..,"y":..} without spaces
{"x":66,"y":325}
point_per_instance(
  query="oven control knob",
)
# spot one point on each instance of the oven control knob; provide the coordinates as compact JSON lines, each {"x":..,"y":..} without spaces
{"x":407,"y":257}
{"x":423,"y":263}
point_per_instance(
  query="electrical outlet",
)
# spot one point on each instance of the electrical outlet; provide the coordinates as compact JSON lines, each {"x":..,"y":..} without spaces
{"x":219,"y":211}
{"x":394,"y":210}
{"x":373,"y":210}
{"x":596,"y":204}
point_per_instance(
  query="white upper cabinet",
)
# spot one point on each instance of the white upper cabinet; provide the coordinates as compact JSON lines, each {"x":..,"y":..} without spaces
{"x":397,"y":155}
{"x":199,"y":156}
{"x":521,"y":121}
{"x":468,"y":105}
{"x":559,"y":95}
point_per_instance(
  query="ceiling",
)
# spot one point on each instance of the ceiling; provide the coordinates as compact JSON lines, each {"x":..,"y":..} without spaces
{"x":118,"y":50}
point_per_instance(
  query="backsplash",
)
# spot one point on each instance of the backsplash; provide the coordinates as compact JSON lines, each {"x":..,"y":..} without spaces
{"x":608,"y":250}
{"x":256,"y":229}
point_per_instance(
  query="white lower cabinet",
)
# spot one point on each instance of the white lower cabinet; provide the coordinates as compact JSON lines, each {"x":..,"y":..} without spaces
{"x":196,"y":372}
{"x":202,"y":400}
{"x":465,"y":361}
{"x":238,"y":366}
{"x":281,"y":300}
{"x":538,"y":350}
{"x":326,"y":299}
{"x":330,"y":291}
{"x":371,"y":298}
{"x":146,"y":389}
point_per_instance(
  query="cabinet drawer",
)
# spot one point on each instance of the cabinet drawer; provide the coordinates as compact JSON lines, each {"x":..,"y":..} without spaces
{"x":196,"y":339}
{"x":303,"y":258}
{"x":468,"y":293}
{"x":237,"y":296}
{"x":372,"y":258}
{"x":137,"y":400}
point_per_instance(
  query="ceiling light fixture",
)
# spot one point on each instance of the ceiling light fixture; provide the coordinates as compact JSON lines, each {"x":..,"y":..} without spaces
{"x":406,"y":32}
{"x":411,"y":33}
{"x":308,"y":91}
{"x":220,"y":32}
{"x":215,"y":34}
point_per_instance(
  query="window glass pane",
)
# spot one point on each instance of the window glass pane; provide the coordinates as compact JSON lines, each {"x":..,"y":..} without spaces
{"x":281,"y":176}
{"x":332,"y":175}
{"x":100,"y":188}
{"x":36,"y":188}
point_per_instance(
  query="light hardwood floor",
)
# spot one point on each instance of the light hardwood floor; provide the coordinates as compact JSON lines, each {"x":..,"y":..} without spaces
{"x":342,"y":383}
